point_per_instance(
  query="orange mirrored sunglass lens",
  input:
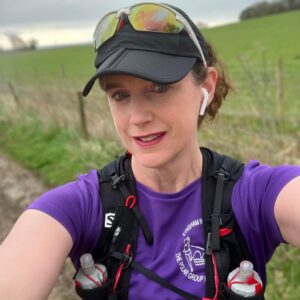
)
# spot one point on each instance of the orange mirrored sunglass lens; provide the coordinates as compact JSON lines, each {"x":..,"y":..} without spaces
{"x":151,"y":17}
{"x":144,"y":17}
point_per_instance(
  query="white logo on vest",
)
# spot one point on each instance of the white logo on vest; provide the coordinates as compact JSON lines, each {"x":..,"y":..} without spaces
{"x":191,"y":256}
{"x":109,"y":219}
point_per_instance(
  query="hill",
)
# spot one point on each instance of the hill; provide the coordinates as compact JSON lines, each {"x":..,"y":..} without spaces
{"x":275,"y":36}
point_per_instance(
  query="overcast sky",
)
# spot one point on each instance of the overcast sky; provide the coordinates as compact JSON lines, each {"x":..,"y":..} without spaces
{"x":72,"y":21}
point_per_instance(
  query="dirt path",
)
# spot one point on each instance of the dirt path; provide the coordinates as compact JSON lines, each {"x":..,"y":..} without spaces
{"x":18,"y":187}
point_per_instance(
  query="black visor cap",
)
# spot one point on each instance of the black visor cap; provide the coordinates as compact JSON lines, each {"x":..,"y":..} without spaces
{"x":158,"y":57}
{"x":152,"y":66}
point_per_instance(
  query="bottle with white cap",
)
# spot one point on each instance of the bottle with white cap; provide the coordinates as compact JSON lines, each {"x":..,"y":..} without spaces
{"x":90,"y":275}
{"x":244,"y":281}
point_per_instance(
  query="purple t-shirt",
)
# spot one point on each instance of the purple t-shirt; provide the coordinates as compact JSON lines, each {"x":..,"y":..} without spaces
{"x":177,"y":253}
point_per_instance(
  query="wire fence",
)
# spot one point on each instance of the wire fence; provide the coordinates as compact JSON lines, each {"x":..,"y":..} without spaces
{"x":264,"y":108}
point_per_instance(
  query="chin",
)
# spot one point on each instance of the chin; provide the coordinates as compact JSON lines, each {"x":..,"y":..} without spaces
{"x":150,"y":160}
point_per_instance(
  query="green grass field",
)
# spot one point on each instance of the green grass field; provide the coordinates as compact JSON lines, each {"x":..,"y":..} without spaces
{"x":248,"y":49}
{"x":274,"y":36}
{"x":48,"y":65}
{"x":42,"y":132}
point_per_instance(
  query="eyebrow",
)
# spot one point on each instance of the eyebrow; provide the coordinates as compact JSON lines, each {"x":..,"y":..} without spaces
{"x":109,"y":86}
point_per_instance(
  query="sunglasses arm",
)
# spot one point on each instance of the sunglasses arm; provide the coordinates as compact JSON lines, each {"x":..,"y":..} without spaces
{"x":192,"y":35}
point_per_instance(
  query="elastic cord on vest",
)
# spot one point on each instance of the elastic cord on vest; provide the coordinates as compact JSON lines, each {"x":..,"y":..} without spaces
{"x":216,"y":277}
{"x":130,"y":202}
{"x":122,"y":266}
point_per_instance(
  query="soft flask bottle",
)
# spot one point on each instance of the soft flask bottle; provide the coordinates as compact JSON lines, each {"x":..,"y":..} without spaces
{"x":244,"y":281}
{"x":90,"y":275}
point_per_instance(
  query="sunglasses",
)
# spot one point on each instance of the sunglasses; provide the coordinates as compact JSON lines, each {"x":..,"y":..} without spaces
{"x":151,"y":17}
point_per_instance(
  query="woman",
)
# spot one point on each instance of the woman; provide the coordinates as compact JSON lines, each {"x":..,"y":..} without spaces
{"x":158,"y":74}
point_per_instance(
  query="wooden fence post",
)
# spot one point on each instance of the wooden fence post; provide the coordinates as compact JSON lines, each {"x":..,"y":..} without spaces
{"x":82,"y":115}
{"x":279,"y":89}
{"x":63,"y":71}
{"x":14,"y":94}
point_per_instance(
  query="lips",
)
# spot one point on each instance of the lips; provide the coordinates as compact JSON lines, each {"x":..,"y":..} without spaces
{"x":150,"y":139}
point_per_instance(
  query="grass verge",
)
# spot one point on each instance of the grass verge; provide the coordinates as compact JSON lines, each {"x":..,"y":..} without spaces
{"x":56,"y":154}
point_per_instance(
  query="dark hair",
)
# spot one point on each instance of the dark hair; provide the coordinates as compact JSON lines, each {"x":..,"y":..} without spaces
{"x":222,"y":86}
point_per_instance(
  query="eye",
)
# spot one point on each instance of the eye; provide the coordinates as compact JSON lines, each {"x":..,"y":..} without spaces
{"x":160,"y":87}
{"x":119,"y":96}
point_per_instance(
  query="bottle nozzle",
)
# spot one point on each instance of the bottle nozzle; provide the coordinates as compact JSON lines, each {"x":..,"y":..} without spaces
{"x":246,"y":270}
{"x":87,"y":263}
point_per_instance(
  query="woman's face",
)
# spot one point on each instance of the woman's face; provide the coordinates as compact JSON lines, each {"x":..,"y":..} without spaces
{"x":155,"y":122}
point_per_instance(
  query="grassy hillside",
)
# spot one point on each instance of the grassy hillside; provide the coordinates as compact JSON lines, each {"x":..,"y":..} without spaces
{"x":276,"y":35}
{"x":54,"y":64}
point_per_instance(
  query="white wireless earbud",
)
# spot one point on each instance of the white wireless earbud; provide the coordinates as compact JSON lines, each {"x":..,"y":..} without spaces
{"x":204,"y":101}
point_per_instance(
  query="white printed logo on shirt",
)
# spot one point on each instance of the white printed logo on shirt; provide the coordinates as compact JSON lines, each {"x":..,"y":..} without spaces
{"x":191,"y":256}
{"x":109,"y":219}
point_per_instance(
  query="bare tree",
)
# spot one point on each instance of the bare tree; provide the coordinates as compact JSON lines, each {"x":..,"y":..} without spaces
{"x":32,"y":44}
{"x":16,"y":42}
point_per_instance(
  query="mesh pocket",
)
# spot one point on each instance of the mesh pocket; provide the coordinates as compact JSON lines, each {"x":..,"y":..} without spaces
{"x":227,"y":294}
{"x":100,"y":293}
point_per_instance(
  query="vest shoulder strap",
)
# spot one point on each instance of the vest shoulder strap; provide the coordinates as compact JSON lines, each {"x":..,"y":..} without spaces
{"x":119,"y":228}
{"x":225,"y":244}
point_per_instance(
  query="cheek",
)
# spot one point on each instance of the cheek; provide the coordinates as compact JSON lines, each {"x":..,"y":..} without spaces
{"x":117,"y":119}
{"x":185,"y":114}
{"x":184,"y":124}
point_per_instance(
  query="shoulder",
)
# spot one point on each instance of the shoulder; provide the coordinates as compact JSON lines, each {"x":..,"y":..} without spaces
{"x":259,"y":186}
{"x":71,"y":193}
{"x":77,"y":206}
{"x":264,"y":180}
{"x":253,"y":201}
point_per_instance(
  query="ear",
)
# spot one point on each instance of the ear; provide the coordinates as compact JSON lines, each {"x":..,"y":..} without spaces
{"x":210,"y":83}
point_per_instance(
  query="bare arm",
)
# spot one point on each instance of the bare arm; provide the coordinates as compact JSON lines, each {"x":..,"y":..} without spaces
{"x":32,"y":256}
{"x":287,"y":212}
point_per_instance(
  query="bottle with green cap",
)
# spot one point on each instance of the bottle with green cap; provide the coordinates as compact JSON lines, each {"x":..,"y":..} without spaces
{"x":90,"y":275}
{"x":244,"y":281}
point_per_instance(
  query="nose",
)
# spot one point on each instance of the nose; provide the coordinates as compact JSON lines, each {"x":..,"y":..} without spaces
{"x":140,"y":111}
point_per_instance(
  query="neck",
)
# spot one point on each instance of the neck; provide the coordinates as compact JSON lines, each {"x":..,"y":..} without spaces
{"x":172,"y":176}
